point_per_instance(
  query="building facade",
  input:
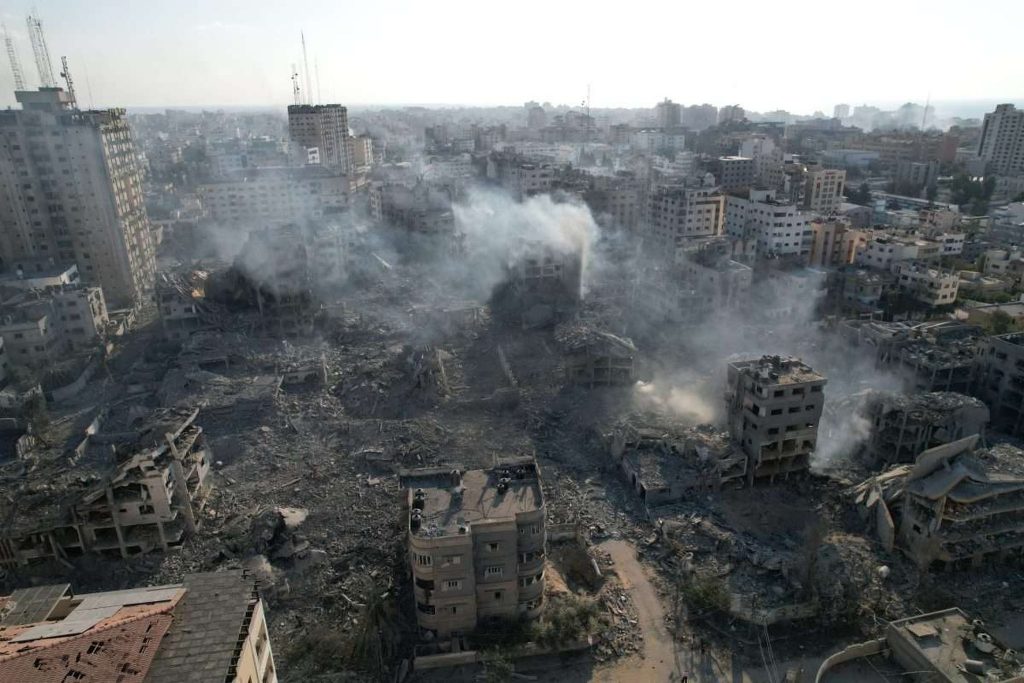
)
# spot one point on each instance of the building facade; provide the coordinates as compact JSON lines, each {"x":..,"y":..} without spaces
{"x":823,"y":190}
{"x":676,"y":214}
{"x":477,"y":545}
{"x":71,"y":190}
{"x":1001,"y":145}
{"x":774,"y":406}
{"x":323,"y":128}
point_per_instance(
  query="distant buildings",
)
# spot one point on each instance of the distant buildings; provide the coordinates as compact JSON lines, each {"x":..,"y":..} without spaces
{"x":668,"y":114}
{"x":823,"y":190}
{"x":676,"y":214}
{"x":835,"y":243}
{"x":477,"y":542}
{"x":735,"y":173}
{"x":274,"y":197}
{"x":929,"y":286}
{"x":71,"y":190}
{"x":322,"y":131}
{"x":1001,"y":146}
{"x":730,"y":113}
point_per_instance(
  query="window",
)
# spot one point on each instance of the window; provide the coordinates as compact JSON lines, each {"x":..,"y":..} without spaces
{"x":777,"y":411}
{"x":779,"y":393}
{"x":424,"y":560}
{"x":452,"y":584}
{"x":493,"y":571}
{"x":493,"y":547}
{"x":497,"y":596}
{"x":452,"y":609}
{"x":816,"y":389}
{"x":448,"y":560}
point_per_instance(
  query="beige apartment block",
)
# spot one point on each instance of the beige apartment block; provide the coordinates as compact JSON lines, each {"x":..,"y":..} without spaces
{"x":477,"y":545}
{"x":71,"y":190}
{"x":774,"y":406}
{"x":322,"y":130}
{"x":823,"y":190}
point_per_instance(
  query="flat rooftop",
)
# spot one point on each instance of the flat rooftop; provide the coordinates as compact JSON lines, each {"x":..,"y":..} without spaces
{"x":477,"y":499}
{"x":777,"y":370}
{"x":947,"y":639}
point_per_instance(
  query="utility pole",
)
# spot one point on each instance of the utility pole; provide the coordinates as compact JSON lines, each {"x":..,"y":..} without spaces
{"x":41,"y":52}
{"x":12,"y":56}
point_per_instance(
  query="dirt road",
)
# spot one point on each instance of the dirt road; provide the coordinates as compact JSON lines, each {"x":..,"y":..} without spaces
{"x":658,"y":663}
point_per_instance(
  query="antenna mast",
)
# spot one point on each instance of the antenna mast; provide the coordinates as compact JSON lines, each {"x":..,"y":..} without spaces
{"x":305,"y":61}
{"x":295,"y":85}
{"x":316,"y":68}
{"x":66,"y":75}
{"x":12,"y":56}
{"x":41,"y":52}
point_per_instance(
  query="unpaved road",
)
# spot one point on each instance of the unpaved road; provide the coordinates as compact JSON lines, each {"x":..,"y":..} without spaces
{"x":658,"y":663}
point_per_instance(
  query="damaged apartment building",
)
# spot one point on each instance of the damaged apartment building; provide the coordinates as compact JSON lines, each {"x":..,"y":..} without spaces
{"x":774,"y":406}
{"x":930,"y":356}
{"x":273,"y":274}
{"x":125,"y":491}
{"x":905,"y":425}
{"x":664,"y":462}
{"x":543,"y":286}
{"x":594,"y":358}
{"x":477,"y":543}
{"x":955,"y":507}
{"x":1000,"y":380}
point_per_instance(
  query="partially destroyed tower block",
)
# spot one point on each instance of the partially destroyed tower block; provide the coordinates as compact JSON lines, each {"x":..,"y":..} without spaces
{"x":774,"y":406}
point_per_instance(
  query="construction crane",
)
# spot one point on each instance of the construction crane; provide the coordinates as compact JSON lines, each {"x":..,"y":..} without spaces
{"x":295,"y":85}
{"x":41,"y":52}
{"x":305,"y":61}
{"x":66,"y":75}
{"x":12,"y":56}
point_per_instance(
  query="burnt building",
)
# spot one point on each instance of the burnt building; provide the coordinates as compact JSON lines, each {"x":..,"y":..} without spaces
{"x":774,"y":406}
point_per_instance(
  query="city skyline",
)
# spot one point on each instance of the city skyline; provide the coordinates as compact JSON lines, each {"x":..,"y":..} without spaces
{"x":240,"y":54}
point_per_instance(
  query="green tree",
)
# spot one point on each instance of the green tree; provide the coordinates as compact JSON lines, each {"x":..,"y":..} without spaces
{"x":1001,"y":322}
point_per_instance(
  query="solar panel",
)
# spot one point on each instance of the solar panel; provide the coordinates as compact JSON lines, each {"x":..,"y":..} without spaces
{"x":79,"y":621}
{"x":32,"y":605}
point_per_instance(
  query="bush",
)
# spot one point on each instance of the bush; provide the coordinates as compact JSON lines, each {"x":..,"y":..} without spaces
{"x":705,"y":594}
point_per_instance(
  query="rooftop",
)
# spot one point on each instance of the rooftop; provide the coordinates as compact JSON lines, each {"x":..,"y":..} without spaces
{"x":778,"y":370}
{"x":449,"y":506}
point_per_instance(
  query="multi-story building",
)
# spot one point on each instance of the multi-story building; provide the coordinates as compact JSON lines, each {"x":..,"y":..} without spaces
{"x":276,"y":197}
{"x":1000,"y":380}
{"x":768,"y":160}
{"x":779,"y":228}
{"x":882,"y":251}
{"x":928,"y":285}
{"x":668,"y":114}
{"x":210,"y":627}
{"x":362,"y":151}
{"x":840,"y":111}
{"x":710,"y":271}
{"x":519,"y":175}
{"x":477,"y":544}
{"x":422,"y":209}
{"x":676,"y":214}
{"x":731,"y":113}
{"x":147,"y":500}
{"x":823,"y":190}
{"x":1001,"y":146}
{"x":657,"y":140}
{"x":914,"y":175}
{"x":735,"y":174}
{"x":835,"y":243}
{"x":618,"y":198}
{"x":322,"y":131}
{"x":700,"y":116}
{"x":774,"y":406}
{"x":71,"y":190}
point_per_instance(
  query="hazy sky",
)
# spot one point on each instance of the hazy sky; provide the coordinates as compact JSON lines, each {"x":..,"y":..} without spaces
{"x":797,"y":55}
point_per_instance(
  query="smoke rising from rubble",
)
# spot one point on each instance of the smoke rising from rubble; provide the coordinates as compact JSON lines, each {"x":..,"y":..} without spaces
{"x":498,"y":230}
{"x":677,"y":398}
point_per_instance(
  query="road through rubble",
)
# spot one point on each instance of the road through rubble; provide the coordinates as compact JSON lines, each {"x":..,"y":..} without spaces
{"x":658,"y":663}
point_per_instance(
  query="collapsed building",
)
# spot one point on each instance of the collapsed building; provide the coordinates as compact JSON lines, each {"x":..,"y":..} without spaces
{"x":905,"y":425}
{"x":274,"y":274}
{"x":119,"y":493}
{"x":954,"y":508}
{"x":183,"y":307}
{"x":543,"y":286}
{"x":594,"y":358}
{"x":665,"y":462}
{"x":932,"y":356}
{"x":477,"y":544}
{"x":774,"y":405}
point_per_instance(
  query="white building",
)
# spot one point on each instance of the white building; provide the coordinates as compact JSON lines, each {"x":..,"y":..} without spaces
{"x":882,"y":251}
{"x":778,"y":228}
{"x":928,"y":285}
{"x":275,"y":197}
{"x":767,"y":158}
{"x":654,"y":140}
